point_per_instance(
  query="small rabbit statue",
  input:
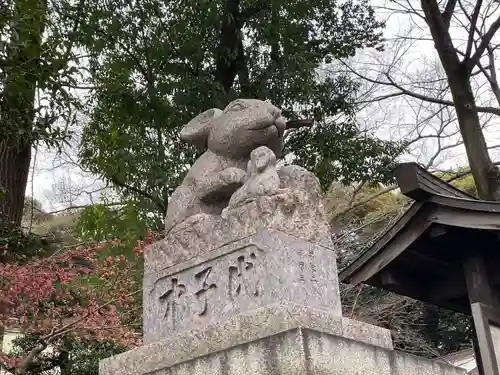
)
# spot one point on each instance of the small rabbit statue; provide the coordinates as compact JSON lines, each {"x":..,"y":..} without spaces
{"x":262,"y":178}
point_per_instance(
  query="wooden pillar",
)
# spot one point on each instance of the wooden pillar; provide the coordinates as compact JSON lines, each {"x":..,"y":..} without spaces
{"x":477,"y":353}
{"x":480,"y":294}
{"x":476,"y":278}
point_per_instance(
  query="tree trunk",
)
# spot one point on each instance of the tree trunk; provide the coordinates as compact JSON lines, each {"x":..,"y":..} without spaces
{"x":14,"y":171}
{"x":229,"y":53}
{"x":231,"y":60}
{"x":17,"y":107}
{"x":486,"y":174}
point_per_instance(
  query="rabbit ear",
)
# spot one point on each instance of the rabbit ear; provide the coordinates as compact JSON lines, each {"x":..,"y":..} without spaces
{"x":196,"y":131}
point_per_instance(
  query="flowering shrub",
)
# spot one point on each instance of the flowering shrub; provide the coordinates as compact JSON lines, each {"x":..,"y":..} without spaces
{"x":87,"y":292}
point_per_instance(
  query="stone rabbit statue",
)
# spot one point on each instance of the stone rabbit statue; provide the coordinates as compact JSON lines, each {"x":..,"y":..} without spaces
{"x":229,"y":136}
{"x":262,"y":178}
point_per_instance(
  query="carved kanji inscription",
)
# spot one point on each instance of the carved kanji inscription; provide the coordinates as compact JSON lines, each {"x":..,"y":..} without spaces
{"x":242,"y":277}
{"x":203,"y":280}
{"x":171,"y":300}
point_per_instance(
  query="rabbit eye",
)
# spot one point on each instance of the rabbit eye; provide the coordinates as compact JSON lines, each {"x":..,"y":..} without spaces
{"x":237,"y":106}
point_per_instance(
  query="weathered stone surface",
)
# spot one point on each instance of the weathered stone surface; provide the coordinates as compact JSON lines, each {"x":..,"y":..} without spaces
{"x":230,"y":136}
{"x":242,"y":276}
{"x":262,"y":179}
{"x":243,"y":328}
{"x":279,"y":339}
{"x":295,"y":208}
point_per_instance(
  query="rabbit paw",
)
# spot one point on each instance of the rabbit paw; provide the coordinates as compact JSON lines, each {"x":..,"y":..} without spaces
{"x":222,"y":187}
{"x":233,"y":175}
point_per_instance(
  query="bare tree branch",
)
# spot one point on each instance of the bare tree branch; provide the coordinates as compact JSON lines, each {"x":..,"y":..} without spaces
{"x":382,"y":97}
{"x":77,"y":207}
{"x":368,"y":199}
{"x":43,"y":342}
{"x":32,"y":355}
{"x":491,"y":78}
{"x":404,"y":91}
{"x":485,"y":41}
{"x":464,"y":173}
{"x":448,"y":12}
{"x":157,"y":201}
{"x":472,"y":30}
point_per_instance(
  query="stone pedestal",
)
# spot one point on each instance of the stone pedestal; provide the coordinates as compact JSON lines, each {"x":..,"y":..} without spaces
{"x":267,"y":304}
{"x":262,"y":269}
{"x":284,"y":339}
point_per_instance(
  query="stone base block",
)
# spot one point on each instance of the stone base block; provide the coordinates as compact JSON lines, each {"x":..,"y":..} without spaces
{"x":244,"y":275}
{"x":276,"y":340}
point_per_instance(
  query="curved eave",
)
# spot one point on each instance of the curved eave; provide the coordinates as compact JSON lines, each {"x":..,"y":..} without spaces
{"x":393,"y":241}
{"x":436,"y":209}
{"x":422,"y":255}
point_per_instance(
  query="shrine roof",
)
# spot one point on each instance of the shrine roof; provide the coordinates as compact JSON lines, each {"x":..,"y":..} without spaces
{"x":421,"y":255}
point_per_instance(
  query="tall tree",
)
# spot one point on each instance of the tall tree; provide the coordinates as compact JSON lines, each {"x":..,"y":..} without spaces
{"x":156,"y":64}
{"x":464,"y":34}
{"x":458,"y":66}
{"x":35,"y":104}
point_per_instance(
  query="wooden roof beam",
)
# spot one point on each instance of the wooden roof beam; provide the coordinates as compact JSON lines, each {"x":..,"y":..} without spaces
{"x":417,"y":183}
